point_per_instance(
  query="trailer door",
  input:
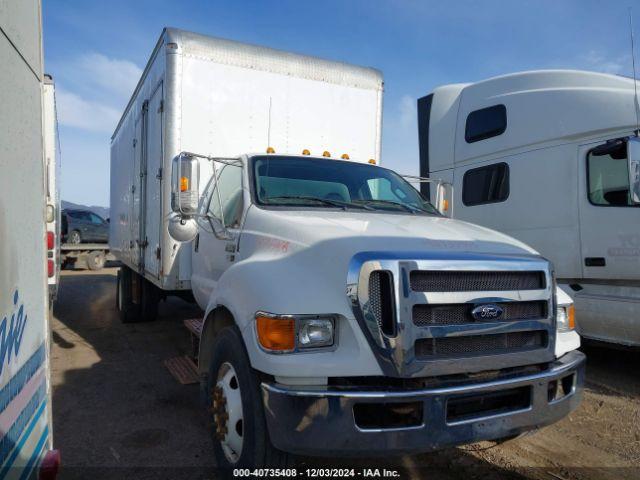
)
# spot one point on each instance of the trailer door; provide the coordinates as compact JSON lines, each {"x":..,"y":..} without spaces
{"x":153,"y":178}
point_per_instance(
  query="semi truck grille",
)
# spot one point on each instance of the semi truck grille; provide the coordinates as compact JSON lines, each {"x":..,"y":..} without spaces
{"x":429,"y":348}
{"x":460,"y":313}
{"x":472,"y":281}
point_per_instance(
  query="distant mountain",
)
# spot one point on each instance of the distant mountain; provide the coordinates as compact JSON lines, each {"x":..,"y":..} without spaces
{"x":102,"y":211}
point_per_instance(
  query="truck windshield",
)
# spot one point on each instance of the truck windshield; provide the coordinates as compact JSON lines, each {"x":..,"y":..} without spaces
{"x":320,"y":183}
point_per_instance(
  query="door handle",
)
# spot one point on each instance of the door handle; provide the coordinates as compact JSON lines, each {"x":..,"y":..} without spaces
{"x":595,"y":262}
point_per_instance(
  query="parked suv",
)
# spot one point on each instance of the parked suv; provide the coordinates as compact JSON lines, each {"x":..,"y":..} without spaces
{"x":83,"y":226}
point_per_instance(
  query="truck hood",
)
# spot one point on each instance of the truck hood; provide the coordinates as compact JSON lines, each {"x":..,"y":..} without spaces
{"x":289,"y":231}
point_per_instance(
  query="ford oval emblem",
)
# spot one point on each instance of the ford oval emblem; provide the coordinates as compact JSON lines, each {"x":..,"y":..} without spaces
{"x":487,"y":312}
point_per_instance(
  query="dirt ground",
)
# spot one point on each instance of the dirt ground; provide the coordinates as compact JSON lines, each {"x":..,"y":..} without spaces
{"x":118,"y":413}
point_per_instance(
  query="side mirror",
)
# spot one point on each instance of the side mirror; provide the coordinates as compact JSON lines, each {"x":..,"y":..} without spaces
{"x":185,"y":189}
{"x":185,"y":192}
{"x":633,"y":159}
{"x":444,"y":198}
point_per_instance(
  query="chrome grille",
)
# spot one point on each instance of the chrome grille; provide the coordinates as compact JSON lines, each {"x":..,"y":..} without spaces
{"x":375,"y":306}
{"x":381,"y":303}
{"x":473,"y":345}
{"x":460,"y":313}
{"x":472,"y":281}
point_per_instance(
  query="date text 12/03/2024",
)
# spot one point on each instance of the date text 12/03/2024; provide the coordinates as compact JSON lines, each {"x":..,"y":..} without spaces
{"x":317,"y":472}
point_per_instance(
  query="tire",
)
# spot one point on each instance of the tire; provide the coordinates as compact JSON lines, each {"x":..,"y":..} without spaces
{"x":74,"y":238}
{"x":127,"y":310}
{"x":149,"y":300}
{"x":230,"y":367}
{"x":96,"y":260}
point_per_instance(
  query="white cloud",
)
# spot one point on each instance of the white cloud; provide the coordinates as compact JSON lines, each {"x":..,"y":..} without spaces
{"x":407,"y":111}
{"x":74,"y":111}
{"x":595,"y":60}
{"x":110,"y":74}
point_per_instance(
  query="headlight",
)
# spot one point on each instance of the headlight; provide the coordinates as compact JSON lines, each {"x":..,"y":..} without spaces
{"x":315,"y":332}
{"x":291,"y":333}
{"x":565,"y":318}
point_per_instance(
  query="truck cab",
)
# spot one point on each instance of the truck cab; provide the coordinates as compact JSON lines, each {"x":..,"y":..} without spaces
{"x":338,"y":298}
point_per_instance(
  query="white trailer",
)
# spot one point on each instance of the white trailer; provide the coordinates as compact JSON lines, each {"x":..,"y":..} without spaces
{"x":52,"y":186}
{"x":543,"y":156}
{"x":25,"y":399}
{"x":223,"y":98}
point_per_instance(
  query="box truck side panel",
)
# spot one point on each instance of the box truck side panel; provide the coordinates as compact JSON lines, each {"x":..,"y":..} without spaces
{"x":152,"y":178}
{"x":229,"y":110}
{"x":136,"y":156}
{"x":25,"y":408}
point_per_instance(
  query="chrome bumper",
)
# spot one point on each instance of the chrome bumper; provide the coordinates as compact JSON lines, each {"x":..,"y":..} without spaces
{"x":322,"y":422}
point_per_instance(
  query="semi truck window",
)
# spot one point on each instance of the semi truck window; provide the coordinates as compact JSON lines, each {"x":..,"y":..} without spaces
{"x":486,"y":123}
{"x":608,"y":177}
{"x":230,"y":185}
{"x":488,"y":184}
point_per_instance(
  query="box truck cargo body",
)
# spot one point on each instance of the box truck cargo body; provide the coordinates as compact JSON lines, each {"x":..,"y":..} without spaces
{"x":25,"y":395}
{"x":224,"y":99}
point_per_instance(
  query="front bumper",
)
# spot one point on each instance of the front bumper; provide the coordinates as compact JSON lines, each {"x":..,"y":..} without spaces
{"x":322,"y":422}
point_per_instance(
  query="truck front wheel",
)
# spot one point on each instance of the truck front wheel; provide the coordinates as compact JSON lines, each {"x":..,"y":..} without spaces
{"x":241,"y":439}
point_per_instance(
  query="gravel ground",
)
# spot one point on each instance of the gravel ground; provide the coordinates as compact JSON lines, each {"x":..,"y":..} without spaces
{"x":118,"y":413}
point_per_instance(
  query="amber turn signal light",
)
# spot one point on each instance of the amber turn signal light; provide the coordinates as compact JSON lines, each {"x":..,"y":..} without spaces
{"x":572,"y":317}
{"x":276,"y":334}
{"x":184,"y":184}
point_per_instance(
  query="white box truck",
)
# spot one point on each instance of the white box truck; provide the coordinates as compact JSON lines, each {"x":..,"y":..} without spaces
{"x":343,"y":314}
{"x":25,"y":395}
{"x":551,"y":158}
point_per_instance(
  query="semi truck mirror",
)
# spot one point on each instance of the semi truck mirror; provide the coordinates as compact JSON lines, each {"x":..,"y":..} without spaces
{"x":633,"y":159}
{"x":185,"y":192}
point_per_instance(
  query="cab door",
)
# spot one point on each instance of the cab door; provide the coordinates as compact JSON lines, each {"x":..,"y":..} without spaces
{"x":609,"y":221}
{"x":215,"y":248}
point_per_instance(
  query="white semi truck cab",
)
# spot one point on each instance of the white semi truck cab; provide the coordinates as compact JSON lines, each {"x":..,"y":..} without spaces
{"x":343,"y":313}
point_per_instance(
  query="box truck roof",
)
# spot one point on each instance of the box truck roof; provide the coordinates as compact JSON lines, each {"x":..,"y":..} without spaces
{"x":255,"y":57}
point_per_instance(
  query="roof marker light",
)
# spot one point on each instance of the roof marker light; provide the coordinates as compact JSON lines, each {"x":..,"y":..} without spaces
{"x":372,"y":161}
{"x":270,"y":150}
{"x":326,"y":154}
{"x":344,"y":156}
{"x":306,"y":152}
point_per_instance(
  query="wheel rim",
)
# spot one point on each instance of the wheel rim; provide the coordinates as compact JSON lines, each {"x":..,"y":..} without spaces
{"x":75,"y":237}
{"x":227,"y":412}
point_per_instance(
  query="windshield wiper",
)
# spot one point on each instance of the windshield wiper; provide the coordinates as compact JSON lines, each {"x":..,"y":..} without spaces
{"x":404,"y":206}
{"x":325,"y":201}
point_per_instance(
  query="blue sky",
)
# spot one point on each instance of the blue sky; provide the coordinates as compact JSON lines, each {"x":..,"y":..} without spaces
{"x":96,"y":51}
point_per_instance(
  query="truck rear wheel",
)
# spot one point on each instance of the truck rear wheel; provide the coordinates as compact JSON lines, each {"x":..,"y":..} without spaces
{"x":96,"y":260}
{"x":241,"y":439}
{"x":149,"y":299}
